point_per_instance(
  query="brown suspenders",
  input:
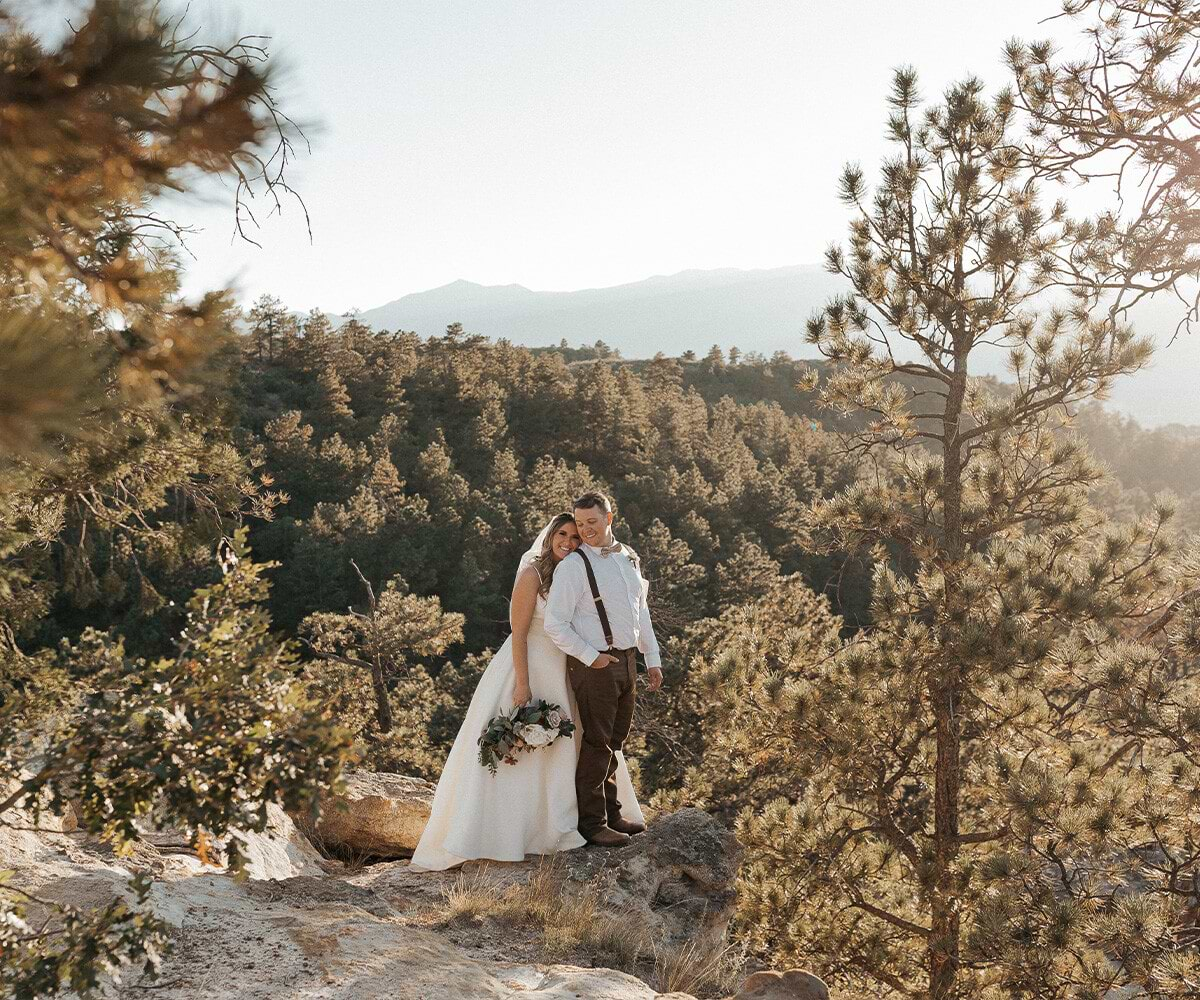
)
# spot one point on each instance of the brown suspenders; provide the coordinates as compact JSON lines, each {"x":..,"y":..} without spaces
{"x":591,"y":575}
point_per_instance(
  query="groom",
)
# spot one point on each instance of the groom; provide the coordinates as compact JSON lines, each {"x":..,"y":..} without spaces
{"x":596,"y":613}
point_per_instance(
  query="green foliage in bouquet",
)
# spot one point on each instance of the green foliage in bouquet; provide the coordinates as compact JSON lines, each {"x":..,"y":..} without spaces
{"x":525,"y":728}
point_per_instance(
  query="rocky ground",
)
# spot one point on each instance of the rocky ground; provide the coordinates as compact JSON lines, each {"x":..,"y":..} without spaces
{"x":303,"y":926}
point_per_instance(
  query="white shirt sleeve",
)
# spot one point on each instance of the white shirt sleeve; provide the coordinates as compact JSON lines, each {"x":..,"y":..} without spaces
{"x":566,"y":590}
{"x":647,"y":640}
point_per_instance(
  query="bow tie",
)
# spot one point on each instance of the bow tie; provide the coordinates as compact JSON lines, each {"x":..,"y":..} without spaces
{"x":608,"y":550}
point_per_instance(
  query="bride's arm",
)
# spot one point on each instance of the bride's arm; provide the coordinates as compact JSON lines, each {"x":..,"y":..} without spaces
{"x":524,"y":600}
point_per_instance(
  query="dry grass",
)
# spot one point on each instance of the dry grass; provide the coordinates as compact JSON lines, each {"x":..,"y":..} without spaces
{"x":472,"y":896}
{"x":699,"y":971}
{"x":622,"y":939}
{"x":570,"y":922}
{"x":537,"y":901}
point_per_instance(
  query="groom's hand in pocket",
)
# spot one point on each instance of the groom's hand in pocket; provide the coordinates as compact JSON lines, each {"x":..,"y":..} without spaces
{"x":602,"y":661}
{"x":654,"y":678}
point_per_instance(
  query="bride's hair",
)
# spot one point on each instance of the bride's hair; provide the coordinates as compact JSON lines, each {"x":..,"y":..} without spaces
{"x":544,"y":562}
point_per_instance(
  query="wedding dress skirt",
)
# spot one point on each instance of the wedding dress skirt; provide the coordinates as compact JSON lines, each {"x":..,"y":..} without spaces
{"x":525,"y":808}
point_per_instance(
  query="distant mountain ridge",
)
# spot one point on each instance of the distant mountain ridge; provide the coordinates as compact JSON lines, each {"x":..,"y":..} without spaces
{"x":674,"y":313}
{"x":761,"y":310}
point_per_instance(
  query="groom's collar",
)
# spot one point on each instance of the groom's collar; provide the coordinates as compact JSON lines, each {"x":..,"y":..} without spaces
{"x":596,"y":548}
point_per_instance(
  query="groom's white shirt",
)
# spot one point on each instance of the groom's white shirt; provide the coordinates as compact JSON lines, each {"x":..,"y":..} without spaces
{"x":571,"y":617}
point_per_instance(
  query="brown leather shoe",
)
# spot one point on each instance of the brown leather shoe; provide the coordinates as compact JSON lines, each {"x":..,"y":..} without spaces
{"x":627,"y":826}
{"x":604,"y":837}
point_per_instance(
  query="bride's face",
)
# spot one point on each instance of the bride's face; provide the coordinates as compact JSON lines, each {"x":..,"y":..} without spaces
{"x":565,"y":541}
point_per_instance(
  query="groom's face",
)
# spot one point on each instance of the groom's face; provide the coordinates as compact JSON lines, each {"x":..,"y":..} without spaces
{"x":593,"y":524}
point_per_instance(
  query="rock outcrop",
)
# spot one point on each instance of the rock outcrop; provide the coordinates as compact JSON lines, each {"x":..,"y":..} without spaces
{"x":310,"y":938}
{"x":675,"y":881}
{"x":302,"y":928}
{"x":795,"y":984}
{"x":378,"y":816}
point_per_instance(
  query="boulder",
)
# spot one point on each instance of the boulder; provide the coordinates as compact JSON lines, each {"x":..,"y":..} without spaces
{"x":794,"y":984}
{"x":280,"y":851}
{"x":378,"y":815}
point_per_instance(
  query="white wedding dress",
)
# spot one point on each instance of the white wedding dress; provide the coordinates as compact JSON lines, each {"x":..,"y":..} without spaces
{"x":525,"y":808}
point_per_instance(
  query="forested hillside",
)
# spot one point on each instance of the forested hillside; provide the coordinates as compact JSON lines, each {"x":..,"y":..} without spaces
{"x":439,"y":460}
{"x":436,"y":460}
{"x":1142,"y":461}
{"x":428,"y":465}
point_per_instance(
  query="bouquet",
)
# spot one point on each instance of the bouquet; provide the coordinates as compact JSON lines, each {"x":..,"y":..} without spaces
{"x":526,"y":727}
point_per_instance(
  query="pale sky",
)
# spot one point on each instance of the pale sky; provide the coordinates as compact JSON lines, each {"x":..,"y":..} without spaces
{"x":564,"y":144}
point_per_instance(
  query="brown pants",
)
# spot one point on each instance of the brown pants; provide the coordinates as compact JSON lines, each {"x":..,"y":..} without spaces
{"x":605,"y":700}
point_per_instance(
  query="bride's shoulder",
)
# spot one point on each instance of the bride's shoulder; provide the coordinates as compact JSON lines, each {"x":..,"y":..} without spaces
{"x":529,"y":575}
{"x":528,"y":583}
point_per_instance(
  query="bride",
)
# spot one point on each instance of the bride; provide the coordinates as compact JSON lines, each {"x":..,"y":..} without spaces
{"x":528,"y":808}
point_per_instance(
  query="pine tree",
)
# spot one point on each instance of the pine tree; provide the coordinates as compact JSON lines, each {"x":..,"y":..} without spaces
{"x":380,"y":527}
{"x":960,"y":826}
{"x":385,"y":640}
{"x":439,"y":480}
{"x":489,"y":429}
{"x":1130,"y":100}
{"x":335,"y":399}
{"x":747,"y":574}
{"x":99,"y":236}
{"x":676,"y":581}
{"x":196,"y":736}
{"x":734,"y":755}
{"x":551,"y":486}
{"x":118,"y":478}
{"x":664,"y":375}
{"x":269,"y":321}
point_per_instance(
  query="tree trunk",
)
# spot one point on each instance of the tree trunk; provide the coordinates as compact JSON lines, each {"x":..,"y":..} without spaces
{"x":383,"y":709}
{"x":944,"y":914}
{"x":945,"y":692}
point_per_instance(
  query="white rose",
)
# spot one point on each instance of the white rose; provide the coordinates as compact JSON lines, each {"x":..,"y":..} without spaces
{"x":553,"y":719}
{"x":535,"y":736}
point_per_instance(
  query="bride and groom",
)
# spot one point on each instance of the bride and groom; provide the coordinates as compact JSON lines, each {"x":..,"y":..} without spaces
{"x":579,"y":617}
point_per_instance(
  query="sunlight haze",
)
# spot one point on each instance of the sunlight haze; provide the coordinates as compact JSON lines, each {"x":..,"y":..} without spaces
{"x":564,"y":146}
